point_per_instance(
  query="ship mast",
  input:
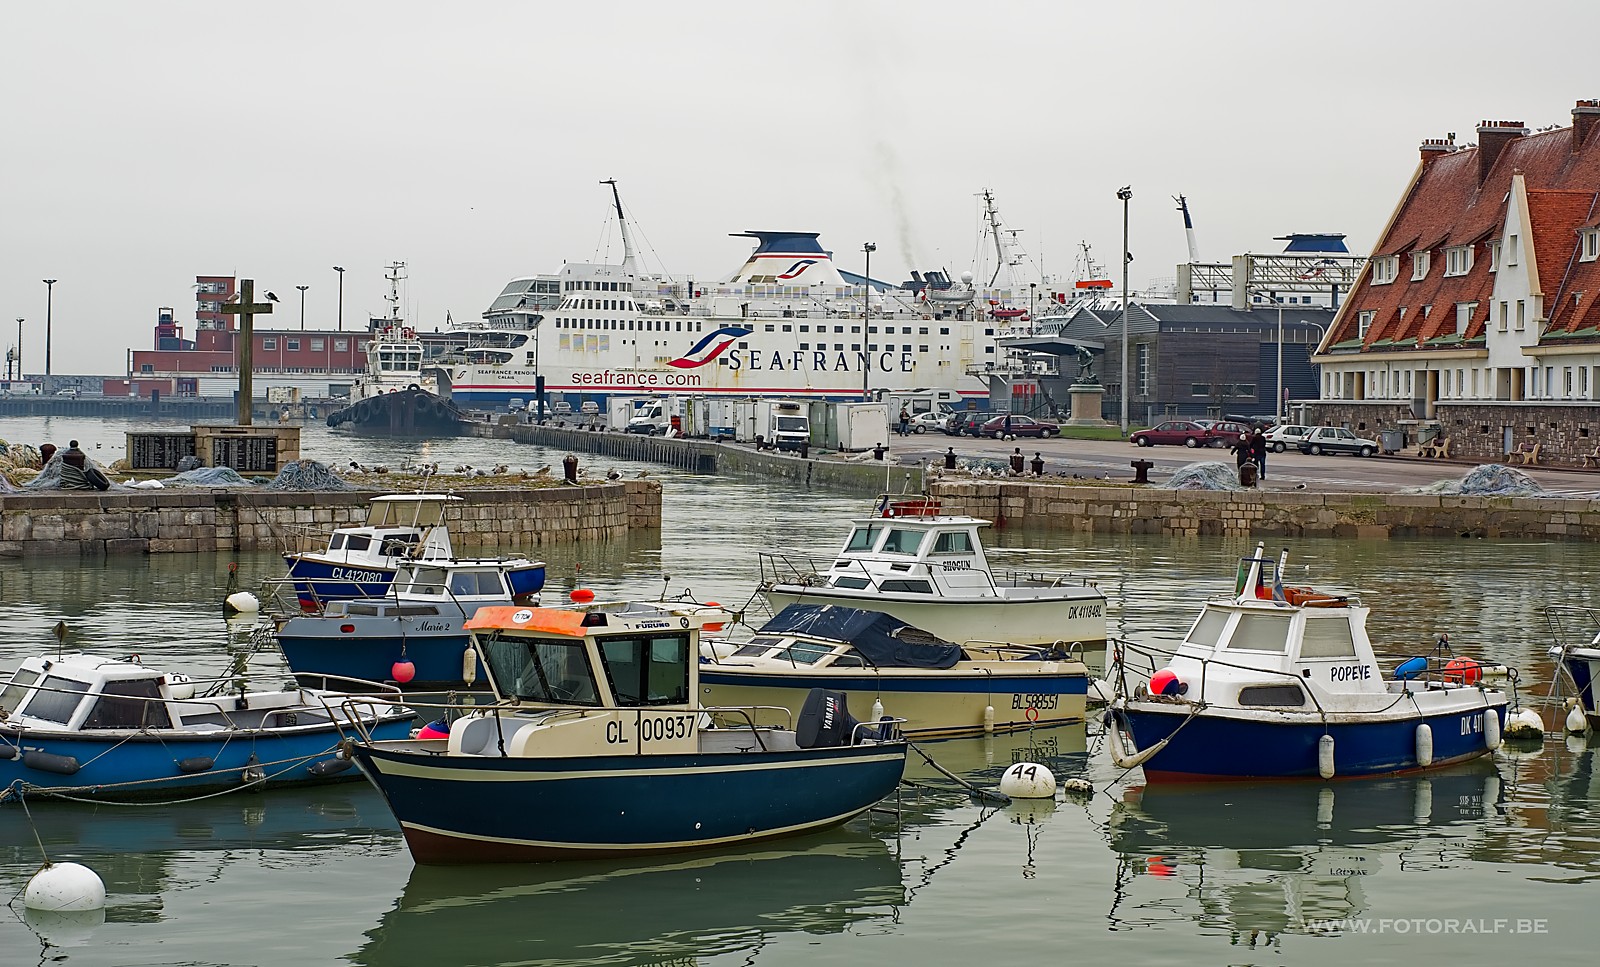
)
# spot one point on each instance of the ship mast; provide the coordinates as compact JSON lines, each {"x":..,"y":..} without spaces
{"x":1188,"y":228}
{"x":396,"y":273}
{"x":627,"y":243}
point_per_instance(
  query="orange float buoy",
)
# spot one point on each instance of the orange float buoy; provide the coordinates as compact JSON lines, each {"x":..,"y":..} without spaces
{"x":581,"y":596}
{"x":1463,"y":670}
{"x":715,"y":625}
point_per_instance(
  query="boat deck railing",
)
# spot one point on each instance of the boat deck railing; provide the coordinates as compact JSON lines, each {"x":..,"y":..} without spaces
{"x":796,"y":568}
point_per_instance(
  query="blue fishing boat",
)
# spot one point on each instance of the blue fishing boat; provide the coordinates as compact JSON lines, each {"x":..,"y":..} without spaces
{"x":414,"y":636}
{"x":884,"y":664}
{"x":1575,"y":646}
{"x":360,"y":561}
{"x":597,"y":746}
{"x":85,"y":727}
{"x":1276,"y":682}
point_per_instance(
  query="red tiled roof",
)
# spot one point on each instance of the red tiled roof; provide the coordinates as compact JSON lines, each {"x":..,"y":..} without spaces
{"x":1448,"y":207}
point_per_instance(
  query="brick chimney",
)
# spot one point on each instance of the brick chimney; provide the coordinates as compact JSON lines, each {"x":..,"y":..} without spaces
{"x":1435,"y":148}
{"x":1584,"y":116}
{"x":1493,"y":136}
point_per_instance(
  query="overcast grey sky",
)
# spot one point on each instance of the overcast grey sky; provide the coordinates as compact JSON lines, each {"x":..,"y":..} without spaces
{"x":149,"y":142}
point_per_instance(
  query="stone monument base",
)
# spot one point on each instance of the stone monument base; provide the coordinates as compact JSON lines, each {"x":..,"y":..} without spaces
{"x":1086,"y":402}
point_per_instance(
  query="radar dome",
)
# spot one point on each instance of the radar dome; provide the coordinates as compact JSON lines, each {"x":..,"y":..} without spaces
{"x":966,"y":278}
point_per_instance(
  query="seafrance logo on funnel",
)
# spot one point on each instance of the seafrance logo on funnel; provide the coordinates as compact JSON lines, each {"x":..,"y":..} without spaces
{"x":709,"y":348}
{"x":797,"y":268}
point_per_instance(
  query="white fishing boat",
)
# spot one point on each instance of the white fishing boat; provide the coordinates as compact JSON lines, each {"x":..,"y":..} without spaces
{"x":1575,"y":636}
{"x":930,"y":570}
{"x":787,"y":323}
{"x":883,"y":665}
{"x":1276,"y":682}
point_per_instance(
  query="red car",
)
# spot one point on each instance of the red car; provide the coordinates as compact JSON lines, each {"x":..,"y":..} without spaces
{"x":1180,"y":433}
{"x":1020,"y":426}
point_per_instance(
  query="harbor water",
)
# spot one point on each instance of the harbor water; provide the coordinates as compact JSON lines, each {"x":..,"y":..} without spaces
{"x":1480,"y":863}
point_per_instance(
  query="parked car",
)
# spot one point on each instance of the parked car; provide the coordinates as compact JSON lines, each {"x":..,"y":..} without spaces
{"x":589,"y":407}
{"x":966,"y":423}
{"x":1020,"y":426}
{"x":560,"y":408}
{"x":1188,"y":433}
{"x":517,"y":405}
{"x":1336,"y":439}
{"x":1281,"y":438}
{"x":1227,"y":430}
{"x":931,"y":420}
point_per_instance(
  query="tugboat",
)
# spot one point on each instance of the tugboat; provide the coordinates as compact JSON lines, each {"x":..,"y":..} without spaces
{"x":394,"y":397}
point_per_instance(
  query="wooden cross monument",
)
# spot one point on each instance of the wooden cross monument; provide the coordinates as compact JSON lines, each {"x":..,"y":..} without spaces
{"x":246,"y":308}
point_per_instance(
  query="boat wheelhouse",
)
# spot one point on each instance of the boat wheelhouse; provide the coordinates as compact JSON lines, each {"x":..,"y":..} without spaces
{"x":1276,"y":682}
{"x":360,"y":560}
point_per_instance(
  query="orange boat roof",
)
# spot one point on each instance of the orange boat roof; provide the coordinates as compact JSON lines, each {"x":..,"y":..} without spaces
{"x":559,"y":621}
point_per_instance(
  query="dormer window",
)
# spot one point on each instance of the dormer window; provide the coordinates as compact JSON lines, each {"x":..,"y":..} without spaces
{"x":1384,"y":269}
{"x":1364,"y":322}
{"x":1458,"y":260}
{"x":1591,"y":245}
{"x":1419,"y":265}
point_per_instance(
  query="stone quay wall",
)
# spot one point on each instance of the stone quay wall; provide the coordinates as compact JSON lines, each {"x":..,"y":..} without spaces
{"x":159,"y":522}
{"x":1202,"y":513}
{"x":1566,"y":432}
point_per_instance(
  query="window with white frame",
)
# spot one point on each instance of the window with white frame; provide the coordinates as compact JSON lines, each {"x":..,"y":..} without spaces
{"x":1458,"y":260}
{"x":1464,"y":311}
{"x":1364,"y":322}
{"x":1384,"y":269}
{"x":1494,"y":255}
{"x":1566,"y":380}
{"x":1143,"y":372}
{"x":1419,"y":265}
{"x":1505,"y":316}
{"x":1591,"y":245}
{"x":1511,"y":250}
{"x":1522,"y":315}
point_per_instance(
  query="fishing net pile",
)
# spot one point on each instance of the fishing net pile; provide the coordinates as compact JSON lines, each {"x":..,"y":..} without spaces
{"x":308,"y":475}
{"x":1205,"y":476}
{"x":209,"y":477}
{"x":1486,"y":480}
{"x":59,"y":475}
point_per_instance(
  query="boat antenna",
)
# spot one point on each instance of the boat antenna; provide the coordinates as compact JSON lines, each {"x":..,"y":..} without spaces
{"x":396,"y":273}
{"x":60,"y":631}
{"x":628,"y":265}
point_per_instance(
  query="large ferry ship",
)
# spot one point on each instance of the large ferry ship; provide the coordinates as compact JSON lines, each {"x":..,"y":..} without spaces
{"x":787,"y":323}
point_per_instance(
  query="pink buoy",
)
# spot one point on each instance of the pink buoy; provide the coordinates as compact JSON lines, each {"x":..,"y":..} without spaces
{"x":1165,"y":682}
{"x":403,"y":671}
{"x":439,"y":729}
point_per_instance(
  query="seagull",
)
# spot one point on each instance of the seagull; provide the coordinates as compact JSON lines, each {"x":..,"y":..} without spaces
{"x":542,"y":471}
{"x":232,"y":298}
{"x":1299,"y":486}
{"x":613,"y":475}
{"x":642,"y":474}
{"x":272,"y":297}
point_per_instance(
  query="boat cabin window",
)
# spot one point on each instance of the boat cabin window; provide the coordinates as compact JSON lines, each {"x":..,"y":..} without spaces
{"x":336,"y":542}
{"x":857,"y":584}
{"x":358,"y":542}
{"x":1261,"y":632}
{"x":1208,"y":630}
{"x":397,"y":544}
{"x":427,"y":580}
{"x":957,"y":542}
{"x":804,"y":652}
{"x":863,"y":538}
{"x":915,"y":587}
{"x":1287,"y":695}
{"x":902,"y":541}
{"x":58,"y":705}
{"x":17,"y":689}
{"x":1327,"y":638}
{"x":848,"y":660}
{"x":647,"y":671}
{"x":541,"y":669}
{"x":476,"y":584}
{"x":124,"y":705}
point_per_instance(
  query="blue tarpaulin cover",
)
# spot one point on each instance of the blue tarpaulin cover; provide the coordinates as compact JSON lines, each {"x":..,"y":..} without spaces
{"x":881,"y":639}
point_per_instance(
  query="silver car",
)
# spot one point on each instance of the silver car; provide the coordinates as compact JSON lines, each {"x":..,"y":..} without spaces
{"x":1281,"y":438}
{"x":1336,"y":439}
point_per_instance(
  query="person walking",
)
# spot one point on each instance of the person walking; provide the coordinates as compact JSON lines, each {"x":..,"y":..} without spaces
{"x":905,"y":421}
{"x":1258,"y":452}
{"x":1241,"y":456}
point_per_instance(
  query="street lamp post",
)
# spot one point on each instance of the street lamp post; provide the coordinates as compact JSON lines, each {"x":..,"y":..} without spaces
{"x":340,"y":269}
{"x":866,"y":325}
{"x":302,"y":289}
{"x":1126,"y":194}
{"x":49,"y":304}
{"x":19,"y":348}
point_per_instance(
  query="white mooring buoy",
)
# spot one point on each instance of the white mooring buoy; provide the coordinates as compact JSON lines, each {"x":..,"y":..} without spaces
{"x":65,"y":888}
{"x":241,"y":602}
{"x":1028,"y":780}
{"x":1524,"y":724}
{"x":1577,"y":723}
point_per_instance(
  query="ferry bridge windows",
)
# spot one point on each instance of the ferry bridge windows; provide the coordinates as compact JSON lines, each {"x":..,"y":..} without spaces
{"x":944,"y":331}
{"x":922,"y":349}
{"x":855,"y":347}
{"x":838,"y":329}
{"x":1327,"y":638}
{"x":838,"y":347}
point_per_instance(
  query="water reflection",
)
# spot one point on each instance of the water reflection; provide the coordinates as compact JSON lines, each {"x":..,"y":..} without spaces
{"x":662,"y":912}
{"x":1256,"y":860}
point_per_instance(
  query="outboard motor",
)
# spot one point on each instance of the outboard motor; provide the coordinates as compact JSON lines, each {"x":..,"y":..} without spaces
{"x":825,"y":721}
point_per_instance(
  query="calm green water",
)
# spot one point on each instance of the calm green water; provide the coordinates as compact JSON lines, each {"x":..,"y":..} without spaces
{"x":1374,"y":872}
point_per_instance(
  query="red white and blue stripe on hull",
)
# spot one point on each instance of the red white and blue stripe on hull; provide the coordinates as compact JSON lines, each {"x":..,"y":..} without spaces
{"x":455,"y":809}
